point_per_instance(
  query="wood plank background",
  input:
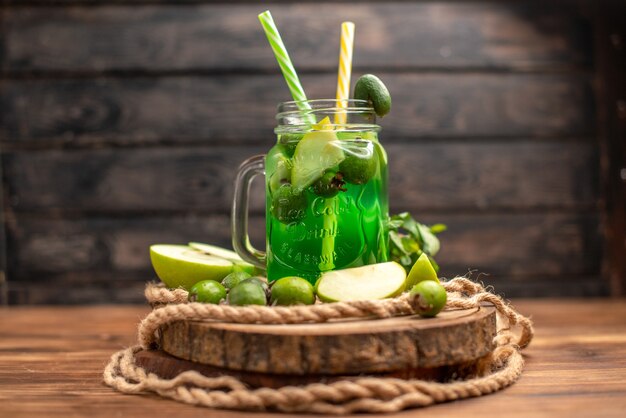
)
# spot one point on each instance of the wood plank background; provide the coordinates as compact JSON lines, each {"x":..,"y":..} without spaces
{"x":121,"y":125}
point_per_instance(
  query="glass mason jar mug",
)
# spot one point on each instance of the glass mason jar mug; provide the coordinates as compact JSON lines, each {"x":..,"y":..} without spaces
{"x":326,"y":192}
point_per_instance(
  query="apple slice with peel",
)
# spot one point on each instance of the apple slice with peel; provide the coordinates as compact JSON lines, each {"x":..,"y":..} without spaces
{"x":421,"y":270}
{"x":182,"y":266}
{"x":227,"y":254}
{"x":375,"y":281}
{"x":317,"y":151}
{"x":216,"y":251}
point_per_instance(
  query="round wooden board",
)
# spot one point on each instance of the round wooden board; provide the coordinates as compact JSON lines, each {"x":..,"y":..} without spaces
{"x":167,"y":366}
{"x":336,"y":348}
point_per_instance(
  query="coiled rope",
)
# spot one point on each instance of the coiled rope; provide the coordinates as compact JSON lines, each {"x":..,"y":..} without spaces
{"x":364,"y":394}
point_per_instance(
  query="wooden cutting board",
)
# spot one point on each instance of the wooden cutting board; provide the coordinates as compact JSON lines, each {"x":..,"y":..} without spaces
{"x":408,"y":345}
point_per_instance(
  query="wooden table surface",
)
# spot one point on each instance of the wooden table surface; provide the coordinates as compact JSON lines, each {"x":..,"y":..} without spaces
{"x":51,"y":361}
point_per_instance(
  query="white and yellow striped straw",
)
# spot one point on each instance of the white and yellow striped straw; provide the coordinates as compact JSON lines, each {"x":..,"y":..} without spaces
{"x":284,"y":62}
{"x":345,"y":70}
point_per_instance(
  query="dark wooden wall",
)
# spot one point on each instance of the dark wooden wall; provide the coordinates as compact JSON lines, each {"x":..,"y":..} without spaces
{"x":122,"y":124}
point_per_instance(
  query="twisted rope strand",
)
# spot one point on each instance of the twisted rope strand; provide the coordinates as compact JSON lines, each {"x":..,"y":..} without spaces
{"x":160,"y":295}
{"x":269,"y":315}
{"x":366,"y":394}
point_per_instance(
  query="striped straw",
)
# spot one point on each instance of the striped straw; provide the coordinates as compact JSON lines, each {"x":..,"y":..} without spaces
{"x":345,"y":70}
{"x":280,"y":52}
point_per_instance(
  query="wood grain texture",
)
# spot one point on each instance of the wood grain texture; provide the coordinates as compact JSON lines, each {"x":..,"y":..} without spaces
{"x":240,"y":109}
{"x":4,"y":287}
{"x":227,"y":36}
{"x":52,"y":360}
{"x":557,"y":254}
{"x":423,"y":177}
{"x":121,"y":125}
{"x":611,"y":80}
{"x":338,"y":347}
{"x":167,"y":367}
{"x":55,"y":246}
{"x":103,"y":287}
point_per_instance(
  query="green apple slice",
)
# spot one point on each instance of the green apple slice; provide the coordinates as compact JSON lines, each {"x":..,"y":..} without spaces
{"x":216,"y":251}
{"x":227,"y":254}
{"x":182,"y":266}
{"x":316,"y":152}
{"x":421,"y":270}
{"x":375,"y":281}
{"x":281,"y":174}
{"x":277,"y":167}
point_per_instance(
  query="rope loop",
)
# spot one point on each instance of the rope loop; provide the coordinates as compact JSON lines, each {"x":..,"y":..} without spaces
{"x":366,"y":394}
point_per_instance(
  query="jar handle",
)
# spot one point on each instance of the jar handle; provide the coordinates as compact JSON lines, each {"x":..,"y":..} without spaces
{"x":248,"y":170}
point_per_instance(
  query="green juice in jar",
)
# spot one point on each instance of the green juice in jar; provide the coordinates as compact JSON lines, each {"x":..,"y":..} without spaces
{"x":335,"y":222}
{"x":326,"y":192}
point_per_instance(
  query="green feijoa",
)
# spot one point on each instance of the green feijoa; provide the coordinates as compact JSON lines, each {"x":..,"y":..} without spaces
{"x":248,"y":292}
{"x":234,"y":278}
{"x":359,"y":165}
{"x":289,"y":142}
{"x":329,"y":185}
{"x":288,"y":205}
{"x":207,"y":291}
{"x":430,"y":296}
{"x":371,"y":88}
{"x":292,"y":291}
{"x":262,"y":281}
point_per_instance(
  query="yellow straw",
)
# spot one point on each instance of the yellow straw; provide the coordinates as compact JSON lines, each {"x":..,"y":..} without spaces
{"x":343,"y":94}
{"x":345,"y":70}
